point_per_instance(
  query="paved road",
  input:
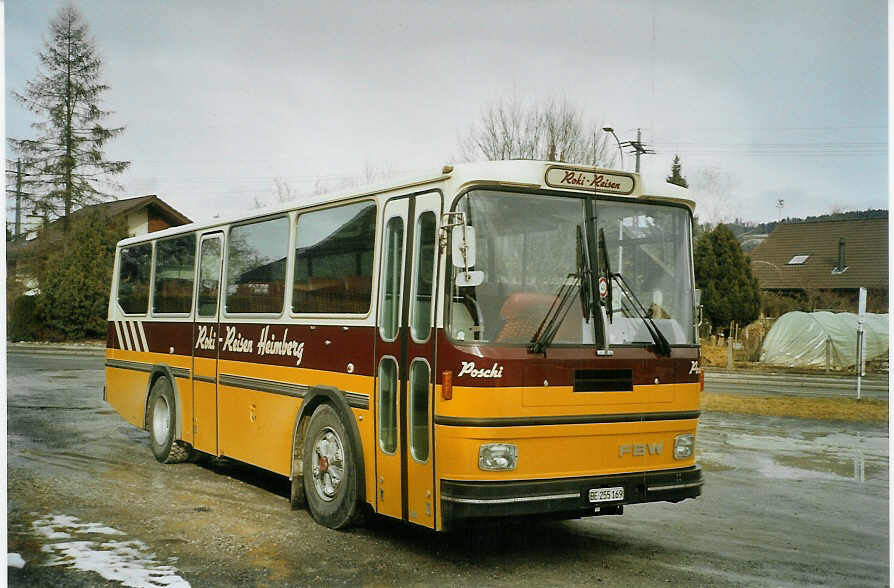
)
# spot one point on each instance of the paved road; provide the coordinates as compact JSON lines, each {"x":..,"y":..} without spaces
{"x":787,"y":502}
{"x":788,"y":384}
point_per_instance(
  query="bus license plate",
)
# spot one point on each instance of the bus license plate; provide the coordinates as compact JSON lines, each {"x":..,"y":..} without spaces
{"x":606,"y":494}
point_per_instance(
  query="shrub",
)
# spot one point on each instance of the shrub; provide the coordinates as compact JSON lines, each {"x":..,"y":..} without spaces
{"x":23,"y":323}
{"x":75,"y":285}
{"x":775,"y":304}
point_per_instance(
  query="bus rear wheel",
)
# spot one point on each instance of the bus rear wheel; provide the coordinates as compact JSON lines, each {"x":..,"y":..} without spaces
{"x":162,"y":422}
{"x":330,"y":471}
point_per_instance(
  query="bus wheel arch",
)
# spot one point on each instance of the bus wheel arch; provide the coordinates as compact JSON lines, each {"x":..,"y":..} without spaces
{"x":331,"y":401}
{"x":162,"y":397}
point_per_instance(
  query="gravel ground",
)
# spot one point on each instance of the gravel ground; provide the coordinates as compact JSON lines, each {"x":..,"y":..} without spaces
{"x":787,"y":502}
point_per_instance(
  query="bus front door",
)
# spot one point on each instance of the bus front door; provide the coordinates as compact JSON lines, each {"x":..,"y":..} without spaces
{"x":206,"y":344}
{"x":405,"y":359}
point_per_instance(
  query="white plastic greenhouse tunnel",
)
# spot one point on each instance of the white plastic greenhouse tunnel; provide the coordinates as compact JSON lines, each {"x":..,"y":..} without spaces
{"x":799,"y":339}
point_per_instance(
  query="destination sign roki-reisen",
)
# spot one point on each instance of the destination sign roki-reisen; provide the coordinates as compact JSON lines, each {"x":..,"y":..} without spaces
{"x":613,"y":183}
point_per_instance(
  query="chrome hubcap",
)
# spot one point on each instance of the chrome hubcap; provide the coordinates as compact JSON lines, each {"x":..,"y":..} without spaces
{"x":161,"y":420}
{"x":328,"y":464}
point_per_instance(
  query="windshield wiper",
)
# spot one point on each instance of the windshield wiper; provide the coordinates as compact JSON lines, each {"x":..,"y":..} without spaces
{"x":587,"y":296}
{"x":661,"y":343}
{"x":558,"y":310}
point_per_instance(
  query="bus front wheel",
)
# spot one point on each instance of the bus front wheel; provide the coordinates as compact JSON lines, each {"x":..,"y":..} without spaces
{"x":162,"y":422}
{"x":330,"y":471}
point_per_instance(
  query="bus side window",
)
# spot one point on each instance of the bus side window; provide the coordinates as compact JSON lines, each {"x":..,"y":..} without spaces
{"x":209,"y":277}
{"x":174,"y":270}
{"x":389,"y":309}
{"x":133,"y":278}
{"x":420,"y":386}
{"x":333,"y":259}
{"x":256,"y":266}
{"x":388,"y":385}
{"x":423,"y":292}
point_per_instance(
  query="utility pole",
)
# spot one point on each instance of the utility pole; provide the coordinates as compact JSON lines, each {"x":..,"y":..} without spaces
{"x":18,"y":230}
{"x":637,"y":147}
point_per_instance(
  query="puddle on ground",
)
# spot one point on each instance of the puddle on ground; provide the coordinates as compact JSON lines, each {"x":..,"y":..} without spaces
{"x":792,"y":450}
{"x":709,"y":465}
{"x":856,"y":468}
{"x":94,"y":547}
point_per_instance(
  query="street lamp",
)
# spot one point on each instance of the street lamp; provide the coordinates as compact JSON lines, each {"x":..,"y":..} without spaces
{"x":612,"y":131}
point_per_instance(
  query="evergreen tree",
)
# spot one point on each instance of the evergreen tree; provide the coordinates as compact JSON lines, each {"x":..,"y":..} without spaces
{"x":730,"y":291}
{"x":65,"y":161}
{"x":676,"y":176}
{"x":74,"y":290}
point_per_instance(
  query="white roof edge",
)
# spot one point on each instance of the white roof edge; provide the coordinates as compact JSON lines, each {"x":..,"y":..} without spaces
{"x":517,"y":171}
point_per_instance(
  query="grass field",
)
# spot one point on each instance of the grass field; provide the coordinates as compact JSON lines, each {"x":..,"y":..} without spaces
{"x":840,"y":409}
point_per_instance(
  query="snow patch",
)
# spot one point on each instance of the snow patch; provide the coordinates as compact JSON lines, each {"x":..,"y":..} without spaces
{"x":14,"y":560}
{"x":129,"y":562}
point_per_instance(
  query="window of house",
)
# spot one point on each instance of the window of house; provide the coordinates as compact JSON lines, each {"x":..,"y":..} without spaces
{"x":798,"y":260}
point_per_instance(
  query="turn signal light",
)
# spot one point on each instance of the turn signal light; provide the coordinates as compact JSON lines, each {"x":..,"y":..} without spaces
{"x":447,"y":385}
{"x":701,"y":380}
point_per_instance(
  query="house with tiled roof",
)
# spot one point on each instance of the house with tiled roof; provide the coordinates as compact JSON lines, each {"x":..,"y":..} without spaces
{"x":142,"y":214}
{"x":838,"y":256}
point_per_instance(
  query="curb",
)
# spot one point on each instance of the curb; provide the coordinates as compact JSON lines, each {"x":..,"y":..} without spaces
{"x":49,"y":348}
{"x":712,"y":371}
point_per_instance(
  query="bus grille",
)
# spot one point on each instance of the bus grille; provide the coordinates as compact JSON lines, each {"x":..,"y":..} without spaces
{"x":618,"y":380}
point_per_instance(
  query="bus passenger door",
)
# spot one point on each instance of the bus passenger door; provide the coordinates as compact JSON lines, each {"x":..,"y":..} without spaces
{"x":405,"y":359}
{"x":206,"y":343}
{"x":420,"y":333}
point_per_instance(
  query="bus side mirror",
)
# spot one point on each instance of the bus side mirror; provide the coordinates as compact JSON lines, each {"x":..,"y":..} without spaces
{"x":469,"y":278}
{"x":463,"y":246}
{"x":463,"y":254}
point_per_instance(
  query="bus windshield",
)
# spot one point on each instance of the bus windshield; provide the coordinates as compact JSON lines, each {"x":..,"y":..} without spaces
{"x":527,"y":248}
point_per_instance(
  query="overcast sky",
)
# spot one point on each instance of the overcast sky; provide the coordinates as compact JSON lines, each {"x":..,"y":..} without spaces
{"x":781,"y":100}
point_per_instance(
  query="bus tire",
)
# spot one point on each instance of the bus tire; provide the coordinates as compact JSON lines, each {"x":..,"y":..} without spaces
{"x":162,"y":424}
{"x":331,"y":478}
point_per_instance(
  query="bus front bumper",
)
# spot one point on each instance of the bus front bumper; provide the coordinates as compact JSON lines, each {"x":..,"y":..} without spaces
{"x":566,"y":497}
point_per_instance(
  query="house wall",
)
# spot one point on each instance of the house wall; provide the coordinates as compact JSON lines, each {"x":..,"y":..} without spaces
{"x":157,"y":222}
{"x":138,"y":222}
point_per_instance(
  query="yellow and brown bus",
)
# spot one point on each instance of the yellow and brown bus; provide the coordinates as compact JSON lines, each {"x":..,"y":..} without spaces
{"x":498,"y":339}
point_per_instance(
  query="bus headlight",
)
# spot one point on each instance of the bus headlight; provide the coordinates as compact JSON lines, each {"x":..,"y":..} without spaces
{"x":683,"y":446}
{"x":498,"y":457}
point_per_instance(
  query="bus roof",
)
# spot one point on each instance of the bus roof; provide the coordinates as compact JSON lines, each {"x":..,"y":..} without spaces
{"x":511,"y":173}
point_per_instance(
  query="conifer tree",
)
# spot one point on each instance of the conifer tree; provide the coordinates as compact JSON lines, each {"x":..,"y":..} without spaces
{"x":74,"y":287}
{"x":730,"y":291}
{"x":65,"y":160}
{"x":676,"y":176}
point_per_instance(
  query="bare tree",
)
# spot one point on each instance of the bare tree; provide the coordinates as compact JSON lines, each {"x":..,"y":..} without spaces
{"x":715,"y":192}
{"x":369,"y":174}
{"x":282,"y":193}
{"x":553,"y":130}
